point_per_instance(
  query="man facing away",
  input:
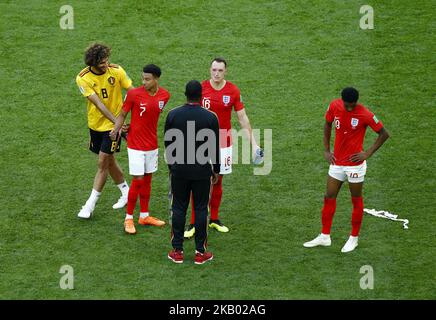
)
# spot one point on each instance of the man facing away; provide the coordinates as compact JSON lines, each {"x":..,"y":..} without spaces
{"x":193,"y":156}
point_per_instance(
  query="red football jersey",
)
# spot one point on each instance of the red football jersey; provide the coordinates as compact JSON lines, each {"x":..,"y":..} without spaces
{"x":222,"y":102}
{"x":145,"y":111}
{"x":350,"y":130}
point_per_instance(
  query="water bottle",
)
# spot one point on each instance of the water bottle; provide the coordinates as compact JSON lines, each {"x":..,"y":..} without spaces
{"x":258,"y":156}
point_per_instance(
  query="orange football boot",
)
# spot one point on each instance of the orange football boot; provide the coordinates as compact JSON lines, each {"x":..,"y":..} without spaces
{"x":129,"y":226}
{"x":151,"y":221}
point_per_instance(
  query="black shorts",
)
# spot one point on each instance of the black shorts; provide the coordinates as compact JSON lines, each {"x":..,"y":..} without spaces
{"x":100,"y":141}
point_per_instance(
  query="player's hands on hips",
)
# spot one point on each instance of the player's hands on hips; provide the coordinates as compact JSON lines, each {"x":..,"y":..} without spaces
{"x":215,"y":177}
{"x":359,"y":157}
{"x":329,"y":157}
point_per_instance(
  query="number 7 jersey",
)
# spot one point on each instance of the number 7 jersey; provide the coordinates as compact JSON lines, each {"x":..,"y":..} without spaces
{"x":145,"y":111}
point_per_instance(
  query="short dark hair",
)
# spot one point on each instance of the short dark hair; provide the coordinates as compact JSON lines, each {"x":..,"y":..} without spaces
{"x":219,"y":59}
{"x":96,"y":53}
{"x":153,"y":69}
{"x":193,"y":90}
{"x":350,"y":95}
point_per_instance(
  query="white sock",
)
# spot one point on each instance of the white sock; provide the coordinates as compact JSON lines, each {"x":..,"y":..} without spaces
{"x":129,"y":216}
{"x":325,"y":235}
{"x":124,"y":188}
{"x":93,"y":198}
{"x":143,"y":214}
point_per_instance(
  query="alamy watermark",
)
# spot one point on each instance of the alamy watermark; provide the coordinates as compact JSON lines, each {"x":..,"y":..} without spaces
{"x":67,"y":20}
{"x":367,"y":20}
{"x":67,"y":280}
{"x":367,"y":281}
{"x":201,"y":147}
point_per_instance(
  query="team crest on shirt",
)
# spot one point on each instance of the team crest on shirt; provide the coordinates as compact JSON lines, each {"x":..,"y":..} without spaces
{"x":354,"y":122}
{"x":111,"y":80}
{"x":161,"y":104}
{"x":226,"y":99}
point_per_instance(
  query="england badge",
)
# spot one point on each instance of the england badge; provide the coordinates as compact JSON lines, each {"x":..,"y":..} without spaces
{"x":161,"y":104}
{"x":226,"y":99}
{"x":354,"y":122}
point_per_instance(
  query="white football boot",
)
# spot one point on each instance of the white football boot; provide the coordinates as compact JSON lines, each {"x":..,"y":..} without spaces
{"x":350,"y":245}
{"x":85,"y":212}
{"x":122,"y":201}
{"x":321,"y":240}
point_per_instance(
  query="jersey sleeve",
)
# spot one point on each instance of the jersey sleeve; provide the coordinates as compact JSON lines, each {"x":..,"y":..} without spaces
{"x":330,"y":115}
{"x":373,"y":122}
{"x":167,"y":98}
{"x":125,"y":80}
{"x":238,"y":105}
{"x":84,"y":87}
{"x":128,"y":101}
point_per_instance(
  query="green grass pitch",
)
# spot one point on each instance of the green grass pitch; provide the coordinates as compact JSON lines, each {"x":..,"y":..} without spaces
{"x":289,"y":58}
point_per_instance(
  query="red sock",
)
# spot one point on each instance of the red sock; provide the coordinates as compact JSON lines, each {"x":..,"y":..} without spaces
{"x":357,"y":215}
{"x":215,"y":199}
{"x":133,"y":195}
{"x":328,"y":211}
{"x":144,"y":193}
{"x":192,"y":210}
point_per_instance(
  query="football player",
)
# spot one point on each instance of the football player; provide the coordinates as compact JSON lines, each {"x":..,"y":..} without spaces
{"x":101,"y":83}
{"x":347,"y":161}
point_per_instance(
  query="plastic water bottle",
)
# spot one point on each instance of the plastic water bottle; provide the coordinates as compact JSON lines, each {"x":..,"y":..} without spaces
{"x":258,"y":157}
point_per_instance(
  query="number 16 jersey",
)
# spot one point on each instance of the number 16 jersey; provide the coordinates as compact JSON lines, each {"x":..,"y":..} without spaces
{"x":221,"y":102}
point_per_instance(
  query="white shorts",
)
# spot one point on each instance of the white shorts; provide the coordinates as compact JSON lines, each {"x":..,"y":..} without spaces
{"x":142,"y":162}
{"x":226,"y":155}
{"x":354,"y":174}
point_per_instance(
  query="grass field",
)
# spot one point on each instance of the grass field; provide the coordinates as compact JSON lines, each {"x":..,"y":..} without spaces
{"x":289,"y":58}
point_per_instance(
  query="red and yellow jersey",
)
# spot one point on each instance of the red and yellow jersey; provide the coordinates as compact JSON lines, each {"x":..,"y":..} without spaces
{"x":108,"y":87}
{"x":350,"y":130}
{"x":145,"y":111}
{"x":222,"y":102}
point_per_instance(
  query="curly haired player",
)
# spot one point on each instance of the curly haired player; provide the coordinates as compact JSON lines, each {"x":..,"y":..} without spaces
{"x":101,"y":83}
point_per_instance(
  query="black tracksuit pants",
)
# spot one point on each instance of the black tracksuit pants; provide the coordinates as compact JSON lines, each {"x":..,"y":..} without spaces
{"x":181,"y":189}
